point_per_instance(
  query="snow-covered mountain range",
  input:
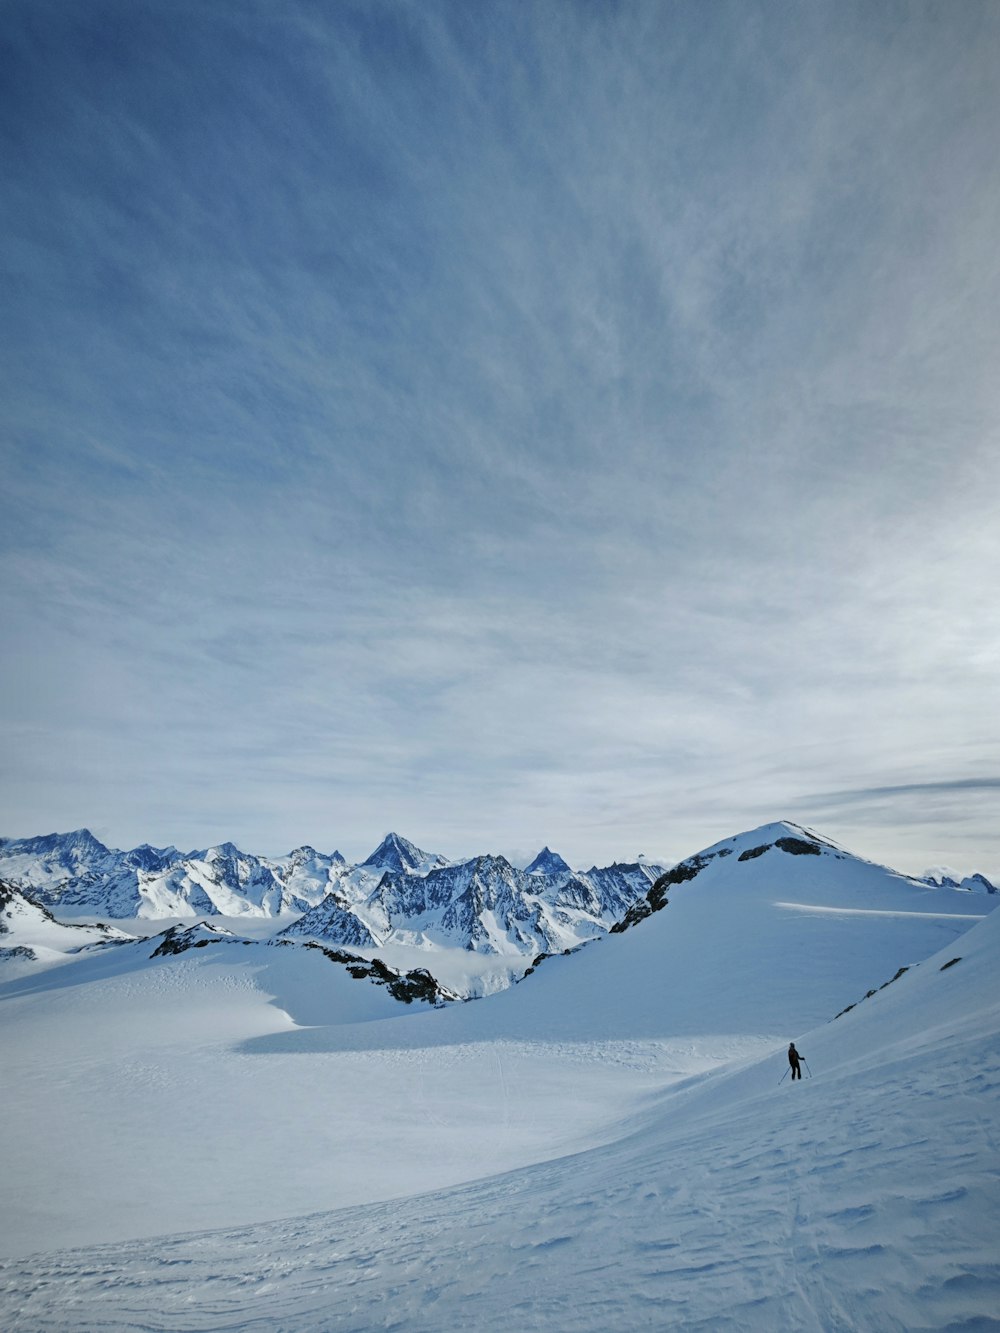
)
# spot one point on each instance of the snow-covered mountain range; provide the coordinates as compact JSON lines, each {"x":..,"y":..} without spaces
{"x":29,"y":933}
{"x":399,"y":895}
{"x":74,"y":872}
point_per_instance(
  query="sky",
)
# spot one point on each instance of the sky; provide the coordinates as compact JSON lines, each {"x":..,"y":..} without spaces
{"x":512,"y":423}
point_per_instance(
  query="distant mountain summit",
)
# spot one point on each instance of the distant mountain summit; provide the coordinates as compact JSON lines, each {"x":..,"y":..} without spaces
{"x":73,"y":870}
{"x":54,"y":855}
{"x":548,"y":863}
{"x":403,"y":858}
{"x":63,"y":849}
{"x":946,"y":878}
{"x":149,"y":858}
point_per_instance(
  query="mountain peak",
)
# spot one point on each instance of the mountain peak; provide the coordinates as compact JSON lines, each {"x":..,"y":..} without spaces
{"x":548,"y":862}
{"x":944,"y":877}
{"x":227,"y":849}
{"x":78,"y":840}
{"x":780,"y":833}
{"x":397,"y":854}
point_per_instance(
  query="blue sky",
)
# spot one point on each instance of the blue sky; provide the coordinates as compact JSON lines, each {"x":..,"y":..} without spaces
{"x":509,"y":423}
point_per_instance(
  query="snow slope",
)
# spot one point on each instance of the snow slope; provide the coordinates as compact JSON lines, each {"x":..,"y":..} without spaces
{"x":663,"y":1177}
{"x":864,"y":1198}
{"x":142,"y":1104}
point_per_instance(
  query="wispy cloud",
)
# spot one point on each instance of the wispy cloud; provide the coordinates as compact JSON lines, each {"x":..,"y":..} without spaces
{"x":544,"y":423}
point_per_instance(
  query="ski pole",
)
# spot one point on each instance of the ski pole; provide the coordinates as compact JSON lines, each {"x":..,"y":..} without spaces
{"x":783,"y":1077}
{"x":806,"y":1063}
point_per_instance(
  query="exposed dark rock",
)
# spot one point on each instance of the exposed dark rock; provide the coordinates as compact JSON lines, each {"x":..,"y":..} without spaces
{"x":18,"y":951}
{"x":406,"y":987}
{"x":950,"y":963}
{"x":11,"y":893}
{"x":636,"y":913}
{"x":752,"y":852}
{"x":895,"y":978}
{"x":418,"y":984}
{"x":179,"y":938}
{"x":681,"y":874}
{"x":797,"y":847}
{"x":656,"y":899}
{"x":868,"y":994}
{"x":537,"y":961}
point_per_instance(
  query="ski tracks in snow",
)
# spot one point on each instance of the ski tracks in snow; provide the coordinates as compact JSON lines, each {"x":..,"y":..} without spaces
{"x":866,"y":1203}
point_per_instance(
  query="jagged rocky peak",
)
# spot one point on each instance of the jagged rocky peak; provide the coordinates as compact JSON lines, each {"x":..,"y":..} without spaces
{"x":333,"y":921}
{"x":224,"y":849}
{"x":489,"y":863}
{"x":306,"y":853}
{"x":148,"y":858}
{"x":402,"y":857}
{"x":943,"y":877}
{"x":218,"y":851}
{"x":78,"y":845}
{"x":80,"y":839}
{"x":548,"y":862}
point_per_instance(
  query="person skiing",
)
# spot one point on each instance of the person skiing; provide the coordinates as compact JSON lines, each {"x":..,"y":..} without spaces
{"x":793,"y":1060}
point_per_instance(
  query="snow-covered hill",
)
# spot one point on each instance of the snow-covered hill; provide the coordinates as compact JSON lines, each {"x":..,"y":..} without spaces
{"x":749,"y":937}
{"x":605,"y":1146}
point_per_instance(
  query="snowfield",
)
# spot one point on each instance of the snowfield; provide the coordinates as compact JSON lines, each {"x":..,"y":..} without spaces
{"x":243,"y":1136}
